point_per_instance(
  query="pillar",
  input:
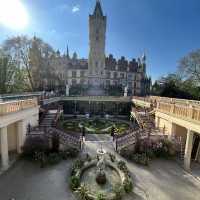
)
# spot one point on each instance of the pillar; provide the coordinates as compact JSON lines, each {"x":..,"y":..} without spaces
{"x":4,"y":148}
{"x":21,"y":135}
{"x":172,"y":130}
{"x":188,"y":150}
{"x":157,"y":122}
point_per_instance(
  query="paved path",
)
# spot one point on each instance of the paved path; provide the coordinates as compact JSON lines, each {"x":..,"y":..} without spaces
{"x":162,"y":180}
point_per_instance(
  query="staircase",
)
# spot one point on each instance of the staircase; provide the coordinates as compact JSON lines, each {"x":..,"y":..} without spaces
{"x":48,"y":120}
{"x":145,"y":120}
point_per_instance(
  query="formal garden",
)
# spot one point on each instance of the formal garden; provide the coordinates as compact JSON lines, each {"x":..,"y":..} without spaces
{"x":94,"y":125}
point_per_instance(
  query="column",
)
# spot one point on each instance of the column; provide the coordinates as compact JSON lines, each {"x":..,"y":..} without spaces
{"x":4,"y":147}
{"x":188,"y":150}
{"x":172,"y":130}
{"x":157,"y":122}
{"x":21,"y":135}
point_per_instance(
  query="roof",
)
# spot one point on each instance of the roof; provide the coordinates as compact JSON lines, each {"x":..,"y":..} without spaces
{"x":98,"y":9}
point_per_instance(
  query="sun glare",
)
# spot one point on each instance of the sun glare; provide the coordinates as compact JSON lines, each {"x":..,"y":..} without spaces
{"x":13,"y":14}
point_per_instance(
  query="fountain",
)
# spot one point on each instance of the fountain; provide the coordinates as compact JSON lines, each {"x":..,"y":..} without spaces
{"x":101,"y":174}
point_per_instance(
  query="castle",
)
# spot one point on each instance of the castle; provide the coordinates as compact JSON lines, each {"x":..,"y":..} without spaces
{"x":98,"y":69}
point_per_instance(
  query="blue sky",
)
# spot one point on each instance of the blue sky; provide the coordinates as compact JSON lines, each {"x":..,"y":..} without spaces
{"x":165,"y":29}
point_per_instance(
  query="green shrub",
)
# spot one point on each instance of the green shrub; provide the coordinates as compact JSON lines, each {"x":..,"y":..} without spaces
{"x":122,"y":165}
{"x":141,"y":158}
{"x":118,"y":191}
{"x":76,"y":166}
{"x":34,"y":146}
{"x":112,"y":157}
{"x":53,"y":158}
{"x":126,"y":153}
{"x":74,"y":182}
{"x":100,"y":196}
{"x":128,"y":185}
{"x":83,"y":192}
{"x":69,"y":152}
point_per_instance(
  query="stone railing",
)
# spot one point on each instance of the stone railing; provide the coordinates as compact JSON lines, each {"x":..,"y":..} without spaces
{"x":15,"y":106}
{"x":153,"y":101}
{"x":188,"y":112}
{"x":97,"y":98}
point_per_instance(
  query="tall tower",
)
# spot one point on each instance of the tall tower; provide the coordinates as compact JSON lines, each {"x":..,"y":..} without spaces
{"x":97,"y":37}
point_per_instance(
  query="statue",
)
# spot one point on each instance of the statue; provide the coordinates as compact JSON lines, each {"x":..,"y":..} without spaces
{"x":126,"y":91}
{"x":101,"y":175}
{"x":67,"y":90}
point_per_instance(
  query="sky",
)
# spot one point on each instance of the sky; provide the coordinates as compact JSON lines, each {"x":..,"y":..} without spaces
{"x":166,"y":30}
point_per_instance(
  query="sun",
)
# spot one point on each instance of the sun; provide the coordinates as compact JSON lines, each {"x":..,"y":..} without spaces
{"x":13,"y":14}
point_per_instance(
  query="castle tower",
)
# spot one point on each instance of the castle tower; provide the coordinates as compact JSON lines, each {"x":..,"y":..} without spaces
{"x":97,"y":37}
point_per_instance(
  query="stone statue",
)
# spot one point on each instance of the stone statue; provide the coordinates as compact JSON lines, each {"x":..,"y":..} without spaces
{"x":101,"y":165}
{"x":101,"y":175}
{"x":126,"y":91}
{"x":67,"y":90}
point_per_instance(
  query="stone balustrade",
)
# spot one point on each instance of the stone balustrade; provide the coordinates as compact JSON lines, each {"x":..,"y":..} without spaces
{"x":186,"y":111}
{"x":15,"y":106}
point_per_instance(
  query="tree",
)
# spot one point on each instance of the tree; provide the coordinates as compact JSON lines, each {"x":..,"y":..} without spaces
{"x":189,"y":67}
{"x":7,"y":70}
{"x":32,"y":55}
{"x":11,"y":77}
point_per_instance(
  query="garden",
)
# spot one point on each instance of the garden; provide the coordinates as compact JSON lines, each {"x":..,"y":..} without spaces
{"x":94,"y":126}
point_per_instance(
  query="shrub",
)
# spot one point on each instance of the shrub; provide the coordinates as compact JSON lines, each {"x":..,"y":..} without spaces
{"x":122,"y":165}
{"x":112,"y":157}
{"x":69,"y":152}
{"x":55,"y":143}
{"x":100,"y":196}
{"x":83,"y":192}
{"x":126,"y":153}
{"x":141,"y":158}
{"x":128,"y":185}
{"x":74,"y":182}
{"x":72,"y":152}
{"x":53,"y":158}
{"x":76,"y":166}
{"x":35,"y":145}
{"x":118,"y":191}
{"x":164,"y":149}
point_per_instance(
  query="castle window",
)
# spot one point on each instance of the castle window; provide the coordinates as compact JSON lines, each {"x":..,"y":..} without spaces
{"x":82,"y":73}
{"x":115,"y":75}
{"x":74,"y":81}
{"x":107,"y":82}
{"x":74,"y":74}
{"x":107,"y":74}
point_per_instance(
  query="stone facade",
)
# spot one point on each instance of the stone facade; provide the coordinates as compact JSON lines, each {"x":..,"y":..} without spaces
{"x":100,"y":69}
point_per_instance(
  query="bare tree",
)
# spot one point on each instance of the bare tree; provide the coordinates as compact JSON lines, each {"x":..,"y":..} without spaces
{"x":31,"y":54}
{"x":189,"y":67}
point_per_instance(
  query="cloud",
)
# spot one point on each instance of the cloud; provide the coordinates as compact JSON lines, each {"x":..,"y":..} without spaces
{"x":75,"y":8}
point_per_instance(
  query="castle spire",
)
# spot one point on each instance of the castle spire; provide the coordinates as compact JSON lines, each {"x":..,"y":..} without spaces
{"x":67,"y":52}
{"x":98,"y":10}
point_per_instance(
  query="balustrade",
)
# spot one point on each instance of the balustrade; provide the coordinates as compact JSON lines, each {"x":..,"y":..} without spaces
{"x":15,"y":106}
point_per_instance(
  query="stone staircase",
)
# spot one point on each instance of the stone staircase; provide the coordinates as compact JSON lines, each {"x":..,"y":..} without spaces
{"x":48,"y":120}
